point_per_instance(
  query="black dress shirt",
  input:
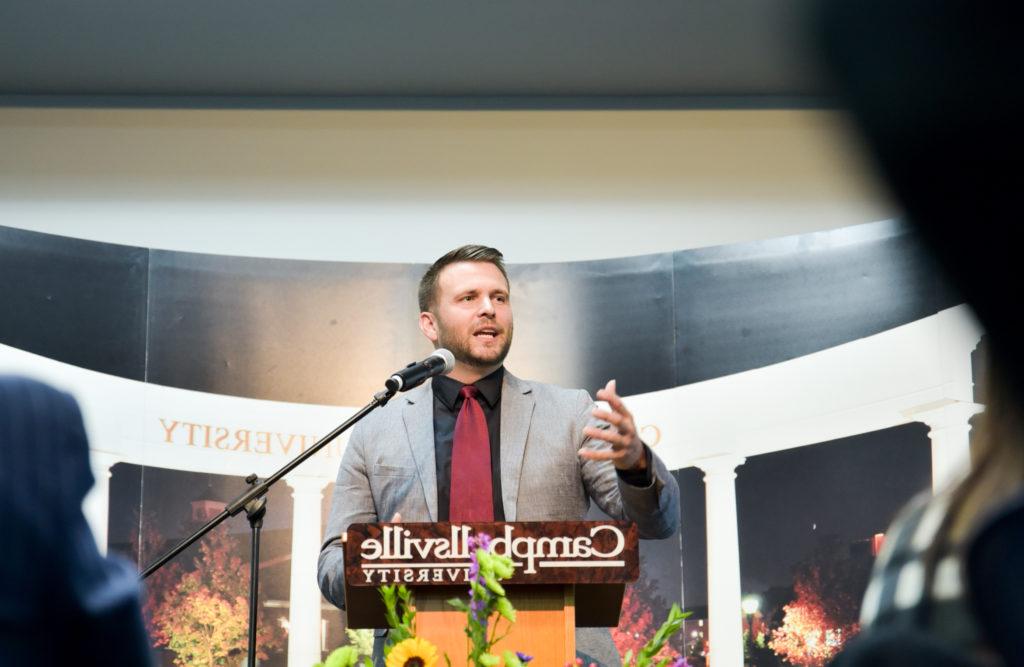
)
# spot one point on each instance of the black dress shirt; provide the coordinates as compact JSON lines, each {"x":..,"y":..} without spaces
{"x":447,"y":404}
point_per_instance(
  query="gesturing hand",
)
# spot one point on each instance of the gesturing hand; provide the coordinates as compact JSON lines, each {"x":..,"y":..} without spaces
{"x":627,"y":450}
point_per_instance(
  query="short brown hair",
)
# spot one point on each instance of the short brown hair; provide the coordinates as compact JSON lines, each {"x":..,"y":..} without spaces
{"x":466,"y":253}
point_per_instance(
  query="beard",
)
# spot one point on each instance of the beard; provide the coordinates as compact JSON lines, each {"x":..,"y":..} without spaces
{"x":462,"y":348}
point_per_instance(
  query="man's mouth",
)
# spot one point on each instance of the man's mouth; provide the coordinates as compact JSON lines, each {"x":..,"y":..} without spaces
{"x":486,"y":332}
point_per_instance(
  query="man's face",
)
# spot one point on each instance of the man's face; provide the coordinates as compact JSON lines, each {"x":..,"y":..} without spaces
{"x":472,"y":316}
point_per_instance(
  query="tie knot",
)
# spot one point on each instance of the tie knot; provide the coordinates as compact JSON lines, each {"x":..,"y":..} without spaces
{"x":469,"y":391}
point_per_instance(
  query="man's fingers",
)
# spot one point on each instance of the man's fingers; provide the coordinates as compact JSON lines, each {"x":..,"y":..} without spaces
{"x":607,"y":390}
{"x":609,"y":395}
{"x":608,"y":435}
{"x":620,"y":433}
{"x":623,"y":432}
{"x":613,"y":418}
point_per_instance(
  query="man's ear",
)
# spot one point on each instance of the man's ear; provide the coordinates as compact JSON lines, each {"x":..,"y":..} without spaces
{"x":428,"y":325}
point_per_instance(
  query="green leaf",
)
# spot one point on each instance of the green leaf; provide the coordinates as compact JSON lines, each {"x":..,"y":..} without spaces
{"x":362,"y":640}
{"x":511,"y":659}
{"x":494,"y":585}
{"x":673,"y":623}
{"x":402,"y":626}
{"x":346,"y":656}
{"x":458,"y":604}
{"x":503,"y":566}
{"x":478,"y":590}
{"x":489,"y":660}
{"x":506,"y":609}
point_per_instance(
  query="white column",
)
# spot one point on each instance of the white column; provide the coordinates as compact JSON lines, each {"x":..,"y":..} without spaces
{"x":96,"y":506}
{"x":725,"y":615}
{"x":304,"y":603}
{"x":949,"y":431}
{"x":959,"y":335}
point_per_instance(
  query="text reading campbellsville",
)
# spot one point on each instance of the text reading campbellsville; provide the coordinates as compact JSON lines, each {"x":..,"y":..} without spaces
{"x":397,"y":556}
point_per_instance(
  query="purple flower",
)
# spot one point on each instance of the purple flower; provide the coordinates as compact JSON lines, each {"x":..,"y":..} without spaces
{"x":477,"y":605}
{"x":479,"y":541}
{"x":680,"y":661}
{"x":523,"y":658}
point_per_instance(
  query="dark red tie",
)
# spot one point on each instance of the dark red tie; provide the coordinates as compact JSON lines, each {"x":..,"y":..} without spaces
{"x":471,"y":498}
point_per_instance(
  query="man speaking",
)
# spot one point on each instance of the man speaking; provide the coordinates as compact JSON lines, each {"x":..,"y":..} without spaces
{"x":483,"y":445}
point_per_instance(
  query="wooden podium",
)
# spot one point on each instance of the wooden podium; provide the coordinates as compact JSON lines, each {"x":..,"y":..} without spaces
{"x":568,"y":574}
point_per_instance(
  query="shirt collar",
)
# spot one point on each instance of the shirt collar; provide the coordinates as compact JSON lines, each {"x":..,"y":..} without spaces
{"x":447,"y":390}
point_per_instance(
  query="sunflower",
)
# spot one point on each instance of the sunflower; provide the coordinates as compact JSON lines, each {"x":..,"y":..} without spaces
{"x":413,"y":652}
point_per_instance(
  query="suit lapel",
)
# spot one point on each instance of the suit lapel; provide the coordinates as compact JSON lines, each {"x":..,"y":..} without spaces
{"x":418,"y":415}
{"x":516,"y":412}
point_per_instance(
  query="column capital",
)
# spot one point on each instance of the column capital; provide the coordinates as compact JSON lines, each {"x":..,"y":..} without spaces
{"x":944,"y":413}
{"x":721,"y":465}
{"x":961,"y":331}
{"x":306,"y":484}
{"x":101,"y":463}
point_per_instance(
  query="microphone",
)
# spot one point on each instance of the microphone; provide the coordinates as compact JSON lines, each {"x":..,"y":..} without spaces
{"x":441,"y":362}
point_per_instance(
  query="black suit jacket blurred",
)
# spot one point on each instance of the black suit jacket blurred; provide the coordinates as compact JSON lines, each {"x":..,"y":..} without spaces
{"x":61,"y":601}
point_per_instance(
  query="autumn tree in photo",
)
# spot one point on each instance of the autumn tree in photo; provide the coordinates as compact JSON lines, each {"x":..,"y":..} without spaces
{"x":146,"y":544}
{"x":804,"y":638}
{"x":204,"y":617}
{"x":823,"y":615}
{"x":642,"y":606}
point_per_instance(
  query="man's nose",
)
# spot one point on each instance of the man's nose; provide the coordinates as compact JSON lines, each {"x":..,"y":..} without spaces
{"x":486,"y":306}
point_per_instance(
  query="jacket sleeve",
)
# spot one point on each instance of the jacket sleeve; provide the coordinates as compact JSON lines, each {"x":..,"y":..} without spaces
{"x":352,"y":502}
{"x":654,"y":507}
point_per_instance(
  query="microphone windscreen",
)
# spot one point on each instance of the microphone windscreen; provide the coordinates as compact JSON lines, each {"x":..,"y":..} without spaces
{"x":448,"y":357}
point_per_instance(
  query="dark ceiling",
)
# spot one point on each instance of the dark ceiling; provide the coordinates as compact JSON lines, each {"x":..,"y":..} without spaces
{"x":408,"y":53}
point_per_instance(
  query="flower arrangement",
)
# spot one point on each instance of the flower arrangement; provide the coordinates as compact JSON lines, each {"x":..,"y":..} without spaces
{"x":487,"y":599}
{"x":485,"y":611}
{"x":412,"y":652}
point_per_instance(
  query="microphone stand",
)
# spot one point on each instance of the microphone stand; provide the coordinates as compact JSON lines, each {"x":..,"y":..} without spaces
{"x":254,"y":503}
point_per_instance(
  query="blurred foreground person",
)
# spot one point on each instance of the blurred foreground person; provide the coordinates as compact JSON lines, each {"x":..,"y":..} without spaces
{"x":61,"y":602}
{"x":935,"y":88}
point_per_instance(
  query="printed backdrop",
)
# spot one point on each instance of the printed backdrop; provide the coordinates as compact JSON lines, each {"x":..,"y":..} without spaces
{"x":195,"y":370}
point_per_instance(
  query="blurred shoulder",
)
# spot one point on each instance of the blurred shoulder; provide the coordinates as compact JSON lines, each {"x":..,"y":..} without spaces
{"x":29,"y":395}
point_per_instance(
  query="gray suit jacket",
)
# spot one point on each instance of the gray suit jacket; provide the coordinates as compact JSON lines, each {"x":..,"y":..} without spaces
{"x":389,"y":467}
